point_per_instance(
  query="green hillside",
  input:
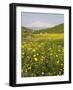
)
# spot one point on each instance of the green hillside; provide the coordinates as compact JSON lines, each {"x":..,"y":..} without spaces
{"x":57,"y":29}
{"x":25,"y":29}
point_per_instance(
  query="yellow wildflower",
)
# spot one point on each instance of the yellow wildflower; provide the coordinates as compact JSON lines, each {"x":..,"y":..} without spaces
{"x":51,"y":54}
{"x":50,"y":48}
{"x":22,"y":53}
{"x":58,"y":62}
{"x":34,"y":55}
{"x":37,"y":54}
{"x":42,"y":56}
{"x":59,"y":50}
{"x":31,"y":42}
{"x":56,"y":55}
{"x":35,"y":59}
{"x":34,"y":50}
{"x":61,"y":64}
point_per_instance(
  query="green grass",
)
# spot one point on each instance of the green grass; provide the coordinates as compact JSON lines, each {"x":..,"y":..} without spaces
{"x":42,"y":58}
{"x":42,"y":54}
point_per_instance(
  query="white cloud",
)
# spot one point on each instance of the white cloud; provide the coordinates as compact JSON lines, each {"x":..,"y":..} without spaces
{"x":40,"y":25}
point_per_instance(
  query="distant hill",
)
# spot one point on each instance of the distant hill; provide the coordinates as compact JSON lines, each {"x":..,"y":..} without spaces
{"x":56,"y":29}
{"x":25,"y":29}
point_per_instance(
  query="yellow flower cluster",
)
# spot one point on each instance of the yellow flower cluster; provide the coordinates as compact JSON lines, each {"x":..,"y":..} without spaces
{"x":34,"y":50}
{"x":34,"y":55}
{"x":58,"y":62}
{"x":35,"y":59}
{"x":51,"y":54}
{"x":56,"y":55}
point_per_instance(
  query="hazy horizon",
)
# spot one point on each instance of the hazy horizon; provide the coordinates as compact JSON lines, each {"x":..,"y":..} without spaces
{"x":41,"y":20}
{"x":36,"y":28}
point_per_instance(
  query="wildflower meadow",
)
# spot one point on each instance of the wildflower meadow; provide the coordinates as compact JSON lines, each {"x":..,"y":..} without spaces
{"x":42,"y":53}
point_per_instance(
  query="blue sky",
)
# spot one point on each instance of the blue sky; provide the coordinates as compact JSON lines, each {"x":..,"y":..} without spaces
{"x":41,"y":20}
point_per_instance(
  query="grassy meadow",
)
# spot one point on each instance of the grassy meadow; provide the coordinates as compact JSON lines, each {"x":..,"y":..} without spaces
{"x":42,"y":52}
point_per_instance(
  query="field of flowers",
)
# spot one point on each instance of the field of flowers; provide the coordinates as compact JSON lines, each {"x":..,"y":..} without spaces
{"x":42,"y":57}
